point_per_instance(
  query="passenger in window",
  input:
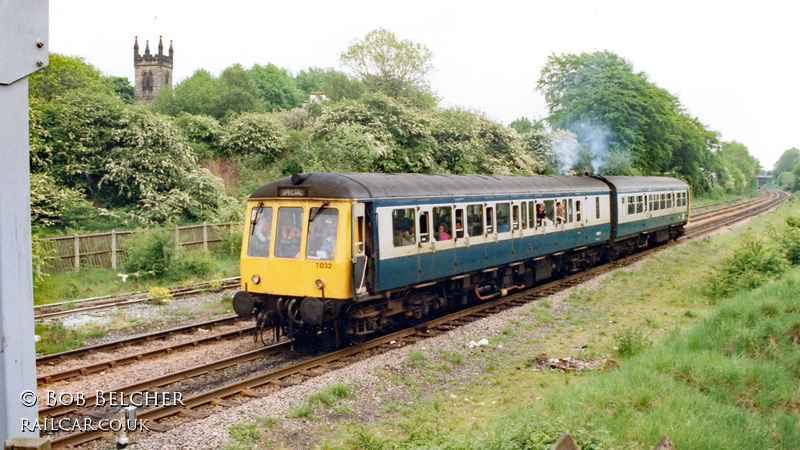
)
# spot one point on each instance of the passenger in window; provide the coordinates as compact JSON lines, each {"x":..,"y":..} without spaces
{"x":541,"y":215}
{"x":259,"y":243}
{"x":459,"y":228}
{"x":442,"y":235}
{"x":561,"y":215}
{"x":290,"y":241}
{"x":502,"y":222}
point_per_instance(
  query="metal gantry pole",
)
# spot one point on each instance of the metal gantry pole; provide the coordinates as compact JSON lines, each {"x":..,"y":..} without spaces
{"x":23,"y":50}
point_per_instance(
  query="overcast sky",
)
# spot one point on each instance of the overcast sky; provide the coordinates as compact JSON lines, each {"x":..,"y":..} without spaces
{"x":733,"y":64}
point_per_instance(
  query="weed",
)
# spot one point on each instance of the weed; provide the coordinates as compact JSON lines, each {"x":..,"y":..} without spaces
{"x":689,"y":313}
{"x":630,"y":341}
{"x":453,"y":357}
{"x":159,"y":296}
{"x":417,"y":358}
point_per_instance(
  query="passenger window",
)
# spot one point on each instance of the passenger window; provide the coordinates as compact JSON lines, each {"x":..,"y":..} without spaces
{"x":597,"y":207}
{"x":503,"y":218}
{"x":442,"y":223}
{"x":424,"y":233}
{"x":549,"y":212}
{"x":289,"y":226}
{"x":489,"y":220}
{"x":561,"y":211}
{"x":403,"y":229}
{"x":260,"y":233}
{"x":524,"y":220}
{"x":631,"y":206}
{"x":475,"y":220}
{"x":322,"y":233}
{"x":515,"y":217}
{"x":459,"y":223}
{"x":663,"y":201}
{"x":639,"y":205}
{"x":569,"y":211}
{"x":578,"y":211}
{"x":531,"y":214}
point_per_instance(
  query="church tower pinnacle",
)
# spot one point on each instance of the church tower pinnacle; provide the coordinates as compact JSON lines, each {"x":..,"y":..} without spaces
{"x":153,"y":72}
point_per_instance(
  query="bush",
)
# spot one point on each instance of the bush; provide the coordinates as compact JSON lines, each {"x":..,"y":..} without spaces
{"x":159,"y":295}
{"x":150,"y":254}
{"x":631,"y":341}
{"x":197,"y":263}
{"x":750,"y":266}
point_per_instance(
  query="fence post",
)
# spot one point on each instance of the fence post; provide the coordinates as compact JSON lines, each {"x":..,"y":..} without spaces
{"x":76,"y":247}
{"x":177,"y":237}
{"x":113,"y":249}
{"x":205,"y":236}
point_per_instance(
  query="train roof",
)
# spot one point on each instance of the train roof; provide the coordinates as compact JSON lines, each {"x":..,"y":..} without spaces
{"x":628,"y":184}
{"x":363,"y":186}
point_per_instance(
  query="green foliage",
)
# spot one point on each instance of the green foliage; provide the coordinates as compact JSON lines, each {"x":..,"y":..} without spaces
{"x":245,"y":433}
{"x":630,"y":341}
{"x":790,"y":240}
{"x":253,"y":133}
{"x":199,"y":95}
{"x":787,"y":162}
{"x":187,"y":263}
{"x":628,"y":123}
{"x":203,"y":133}
{"x":150,"y":254}
{"x":395,"y":67}
{"x":750,"y":266}
{"x":57,"y":206}
{"x":275,"y":87}
{"x":522,"y":125}
{"x":122,"y":87}
{"x":64,"y":74}
{"x":81,"y":125}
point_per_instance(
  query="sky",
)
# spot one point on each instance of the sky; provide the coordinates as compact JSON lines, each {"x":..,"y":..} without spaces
{"x":732,"y":64}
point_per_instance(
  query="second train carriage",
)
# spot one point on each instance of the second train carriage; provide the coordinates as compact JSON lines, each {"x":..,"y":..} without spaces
{"x":358,"y":251}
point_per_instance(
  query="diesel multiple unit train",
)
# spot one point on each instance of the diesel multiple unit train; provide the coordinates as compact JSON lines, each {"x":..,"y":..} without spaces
{"x":358,"y":252}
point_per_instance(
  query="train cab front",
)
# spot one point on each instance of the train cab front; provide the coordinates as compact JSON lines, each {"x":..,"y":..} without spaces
{"x":295,"y":265}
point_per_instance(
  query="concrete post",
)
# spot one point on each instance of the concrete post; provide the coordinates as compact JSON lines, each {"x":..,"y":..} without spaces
{"x":23,"y":50}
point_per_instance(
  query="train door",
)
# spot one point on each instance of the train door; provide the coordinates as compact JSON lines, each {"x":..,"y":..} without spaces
{"x":358,"y":248}
{"x":523,"y":247}
{"x":425,"y":239}
{"x":461,"y":239}
{"x":492,"y":235}
{"x":444,"y":254}
{"x":475,"y":254}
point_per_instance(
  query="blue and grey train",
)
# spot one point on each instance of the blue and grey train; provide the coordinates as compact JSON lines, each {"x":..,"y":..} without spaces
{"x":357,"y":252}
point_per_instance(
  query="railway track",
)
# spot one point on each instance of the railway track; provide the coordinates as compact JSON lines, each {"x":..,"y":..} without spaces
{"x":55,"y":310}
{"x":202,"y":404}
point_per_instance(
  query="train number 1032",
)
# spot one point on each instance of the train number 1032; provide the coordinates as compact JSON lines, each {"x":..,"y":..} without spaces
{"x":324,"y":265}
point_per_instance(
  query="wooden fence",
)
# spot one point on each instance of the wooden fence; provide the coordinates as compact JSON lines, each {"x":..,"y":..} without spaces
{"x":109,"y":249}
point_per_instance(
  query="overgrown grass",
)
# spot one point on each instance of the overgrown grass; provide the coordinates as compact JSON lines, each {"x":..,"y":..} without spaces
{"x":712,"y":386}
{"x":714,"y":198}
{"x":328,"y":396}
{"x":95,"y":282}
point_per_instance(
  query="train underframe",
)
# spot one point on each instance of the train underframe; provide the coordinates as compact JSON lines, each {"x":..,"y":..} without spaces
{"x":353,"y":322}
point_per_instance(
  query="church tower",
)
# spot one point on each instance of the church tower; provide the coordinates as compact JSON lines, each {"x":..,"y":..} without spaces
{"x":153,"y":72}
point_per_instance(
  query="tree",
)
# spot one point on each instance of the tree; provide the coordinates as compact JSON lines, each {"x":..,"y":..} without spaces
{"x":64,"y":74}
{"x":237,"y":93}
{"x":522,"y":125}
{"x":254,"y":133}
{"x":122,"y":87}
{"x":787,"y":162}
{"x":396,"y":67}
{"x":199,"y":94}
{"x":625,"y":120}
{"x":276,"y":88}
